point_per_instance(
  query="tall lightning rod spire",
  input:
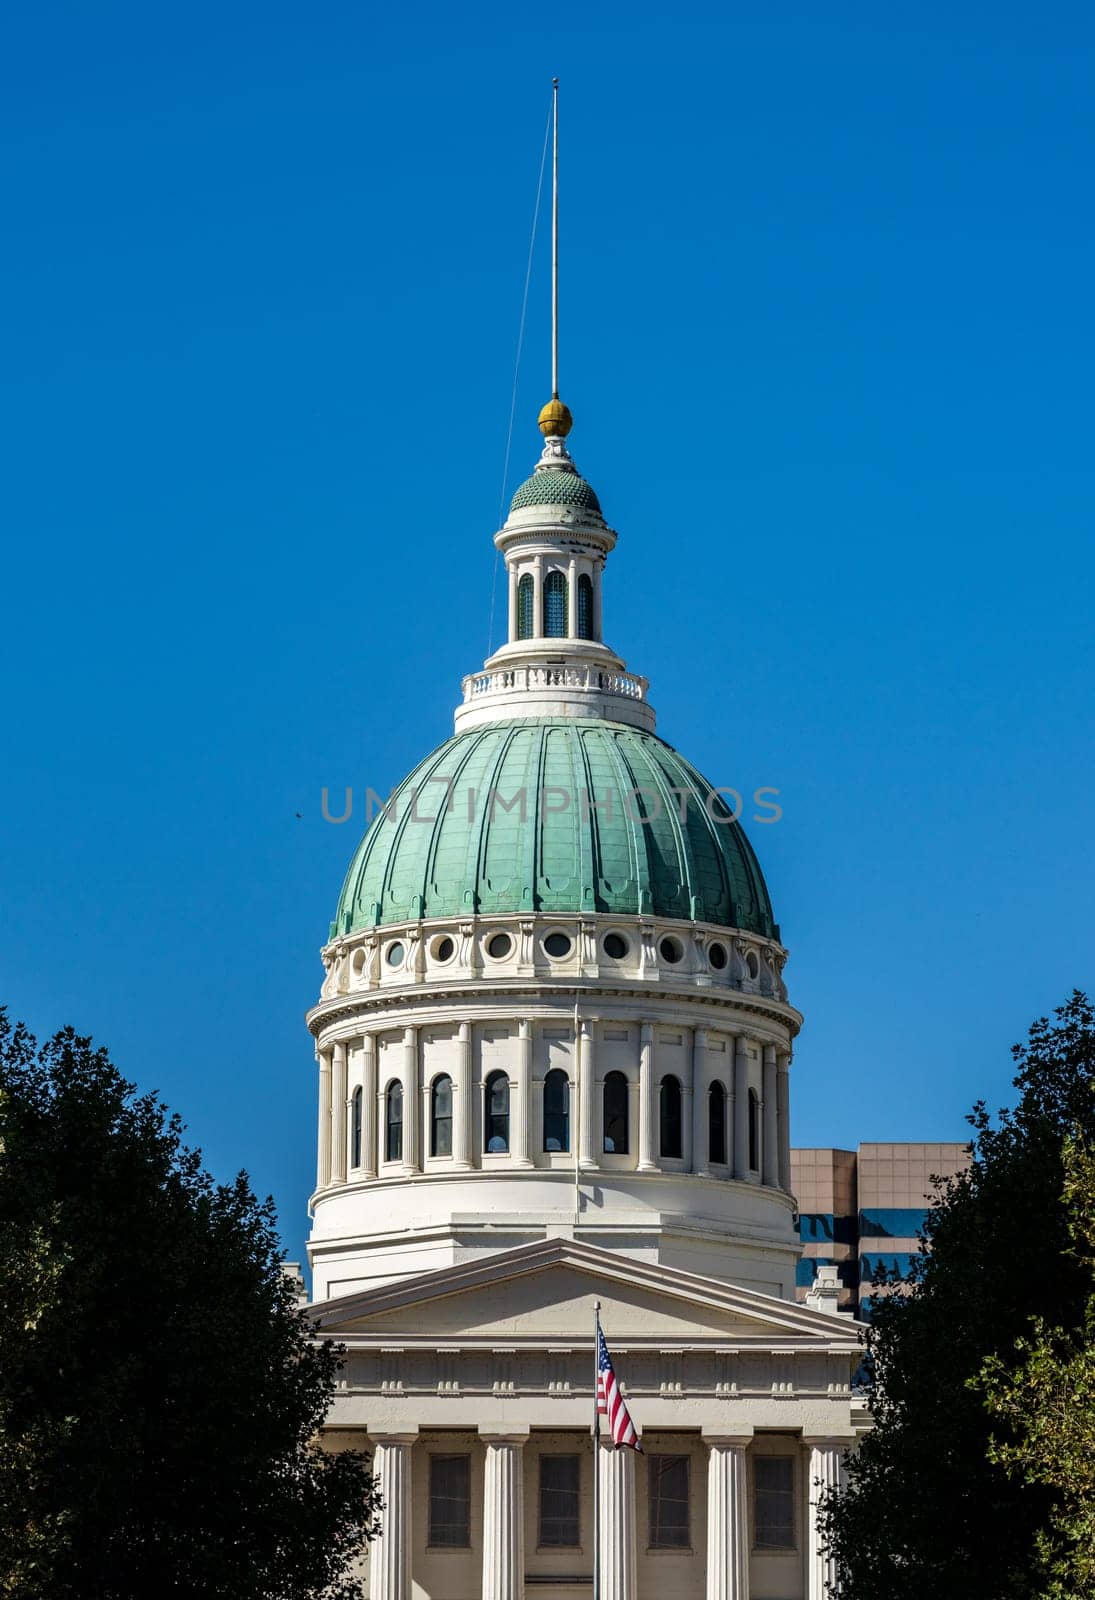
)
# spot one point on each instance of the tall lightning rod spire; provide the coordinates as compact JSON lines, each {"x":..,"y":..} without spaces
{"x":555,"y":239}
{"x":555,"y":419}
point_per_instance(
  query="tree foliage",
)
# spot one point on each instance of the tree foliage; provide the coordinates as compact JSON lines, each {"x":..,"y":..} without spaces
{"x":160,"y":1393}
{"x":930,"y":1507}
{"x":1047,"y":1407}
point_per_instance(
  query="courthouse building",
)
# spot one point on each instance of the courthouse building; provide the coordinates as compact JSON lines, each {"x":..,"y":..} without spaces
{"x":554,"y":1050}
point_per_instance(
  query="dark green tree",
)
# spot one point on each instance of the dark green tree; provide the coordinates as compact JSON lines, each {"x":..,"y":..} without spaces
{"x":927,"y":1513}
{"x":160,"y":1393}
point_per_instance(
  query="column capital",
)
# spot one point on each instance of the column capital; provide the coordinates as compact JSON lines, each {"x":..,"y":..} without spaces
{"x":408,"y":1434}
{"x":717,"y":1439}
{"x":516,"y":1433}
{"x":828,"y":1441}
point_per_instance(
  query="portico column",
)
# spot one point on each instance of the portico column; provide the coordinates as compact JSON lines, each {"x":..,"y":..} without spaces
{"x":824,"y":1471}
{"x":518,"y":1123}
{"x":701,"y":1142}
{"x":647,"y":1099}
{"x":741,"y":1107}
{"x":323,"y":1156}
{"x":368,"y":1106}
{"x":411,"y":1159}
{"x":503,"y":1515}
{"x":512,"y":602}
{"x":783,"y":1118}
{"x":619,"y":1547}
{"x":338,"y":1113}
{"x":587,"y":1071}
{"x":461,"y":1099}
{"x":390,"y":1551}
{"x":769,"y":1120}
{"x":727,"y":1518}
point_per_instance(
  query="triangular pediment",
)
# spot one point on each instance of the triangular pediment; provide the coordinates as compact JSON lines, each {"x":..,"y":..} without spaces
{"x":546,"y":1292}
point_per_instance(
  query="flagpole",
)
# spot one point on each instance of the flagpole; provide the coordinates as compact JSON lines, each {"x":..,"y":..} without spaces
{"x":596,"y":1451}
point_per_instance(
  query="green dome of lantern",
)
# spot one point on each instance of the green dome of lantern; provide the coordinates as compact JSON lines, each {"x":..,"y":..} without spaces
{"x":586,"y":819}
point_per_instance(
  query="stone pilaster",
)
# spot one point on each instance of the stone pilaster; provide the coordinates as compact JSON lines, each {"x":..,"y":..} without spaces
{"x":741,"y":1107}
{"x":619,"y":1540}
{"x":783,"y":1118}
{"x":339,"y":1091}
{"x":824,"y":1471}
{"x":519,"y":1110}
{"x":390,"y":1552}
{"x":587,"y":1088}
{"x":503,"y":1515}
{"x":369,"y":1151}
{"x":323,"y":1153}
{"x":411,"y":1157}
{"x":727,"y":1517}
{"x":769,"y":1120}
{"x":462,"y":1120}
{"x":648,"y":1100}
{"x":701,"y":1133}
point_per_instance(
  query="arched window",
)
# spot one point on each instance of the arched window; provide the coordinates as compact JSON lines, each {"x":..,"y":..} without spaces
{"x":556,"y":1110}
{"x":754,"y":1131}
{"x":615,"y":1106}
{"x":555,"y":605}
{"x":671,"y":1117}
{"x":441,"y":1116}
{"x":393,"y":1121}
{"x":496,"y":1114}
{"x":524,"y":606}
{"x":585,"y":606}
{"x":716,"y":1123}
{"x":355,"y":1128}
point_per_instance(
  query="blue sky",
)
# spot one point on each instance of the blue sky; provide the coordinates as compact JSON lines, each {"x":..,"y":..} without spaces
{"x":828,"y":337}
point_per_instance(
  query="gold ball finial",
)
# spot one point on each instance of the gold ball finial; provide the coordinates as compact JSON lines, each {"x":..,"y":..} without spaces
{"x":555,"y":420}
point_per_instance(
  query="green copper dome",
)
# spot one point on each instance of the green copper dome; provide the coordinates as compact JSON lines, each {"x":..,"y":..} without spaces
{"x":556,"y":489}
{"x":544,"y":845}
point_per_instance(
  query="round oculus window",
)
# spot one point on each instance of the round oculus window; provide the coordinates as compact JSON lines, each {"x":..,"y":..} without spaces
{"x":670,"y":950}
{"x":499,"y":946}
{"x":716,"y":954}
{"x":615,"y":946}
{"x":557,"y":944}
{"x":394,"y":954}
{"x":443,"y":949}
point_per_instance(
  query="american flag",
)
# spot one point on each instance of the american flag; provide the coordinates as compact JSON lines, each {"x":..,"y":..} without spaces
{"x":610,"y":1402}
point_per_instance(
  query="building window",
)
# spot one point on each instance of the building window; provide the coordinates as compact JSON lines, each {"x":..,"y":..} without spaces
{"x":393,"y":1122}
{"x":524,"y":606}
{"x":585,"y":607}
{"x":669,"y":1502}
{"x":355,"y":1128}
{"x":716,"y":1123}
{"x":754,"y":1131}
{"x":615,"y":1108}
{"x":450,"y":1502}
{"x":555,"y":605}
{"x":441,"y":1116}
{"x":560,"y":1486}
{"x":671,"y":1118}
{"x":773,"y":1503}
{"x":496,"y":1114}
{"x":556,"y":1110}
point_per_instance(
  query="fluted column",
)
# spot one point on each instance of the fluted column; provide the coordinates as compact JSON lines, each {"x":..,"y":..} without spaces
{"x":741,"y":1107}
{"x":368,"y":1106}
{"x":461,"y":1099}
{"x":518,"y":1122}
{"x":701,"y":1141}
{"x":648,"y":1100}
{"x":338,"y":1112}
{"x":783,"y":1118}
{"x":390,"y":1551}
{"x":538,"y":597}
{"x":323,"y":1155}
{"x":769,"y":1119}
{"x":619,"y":1545}
{"x":727,"y":1518}
{"x":587,"y":1071}
{"x":572,"y":600}
{"x":824,"y":1469}
{"x":411,"y":1156}
{"x":503,"y":1516}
